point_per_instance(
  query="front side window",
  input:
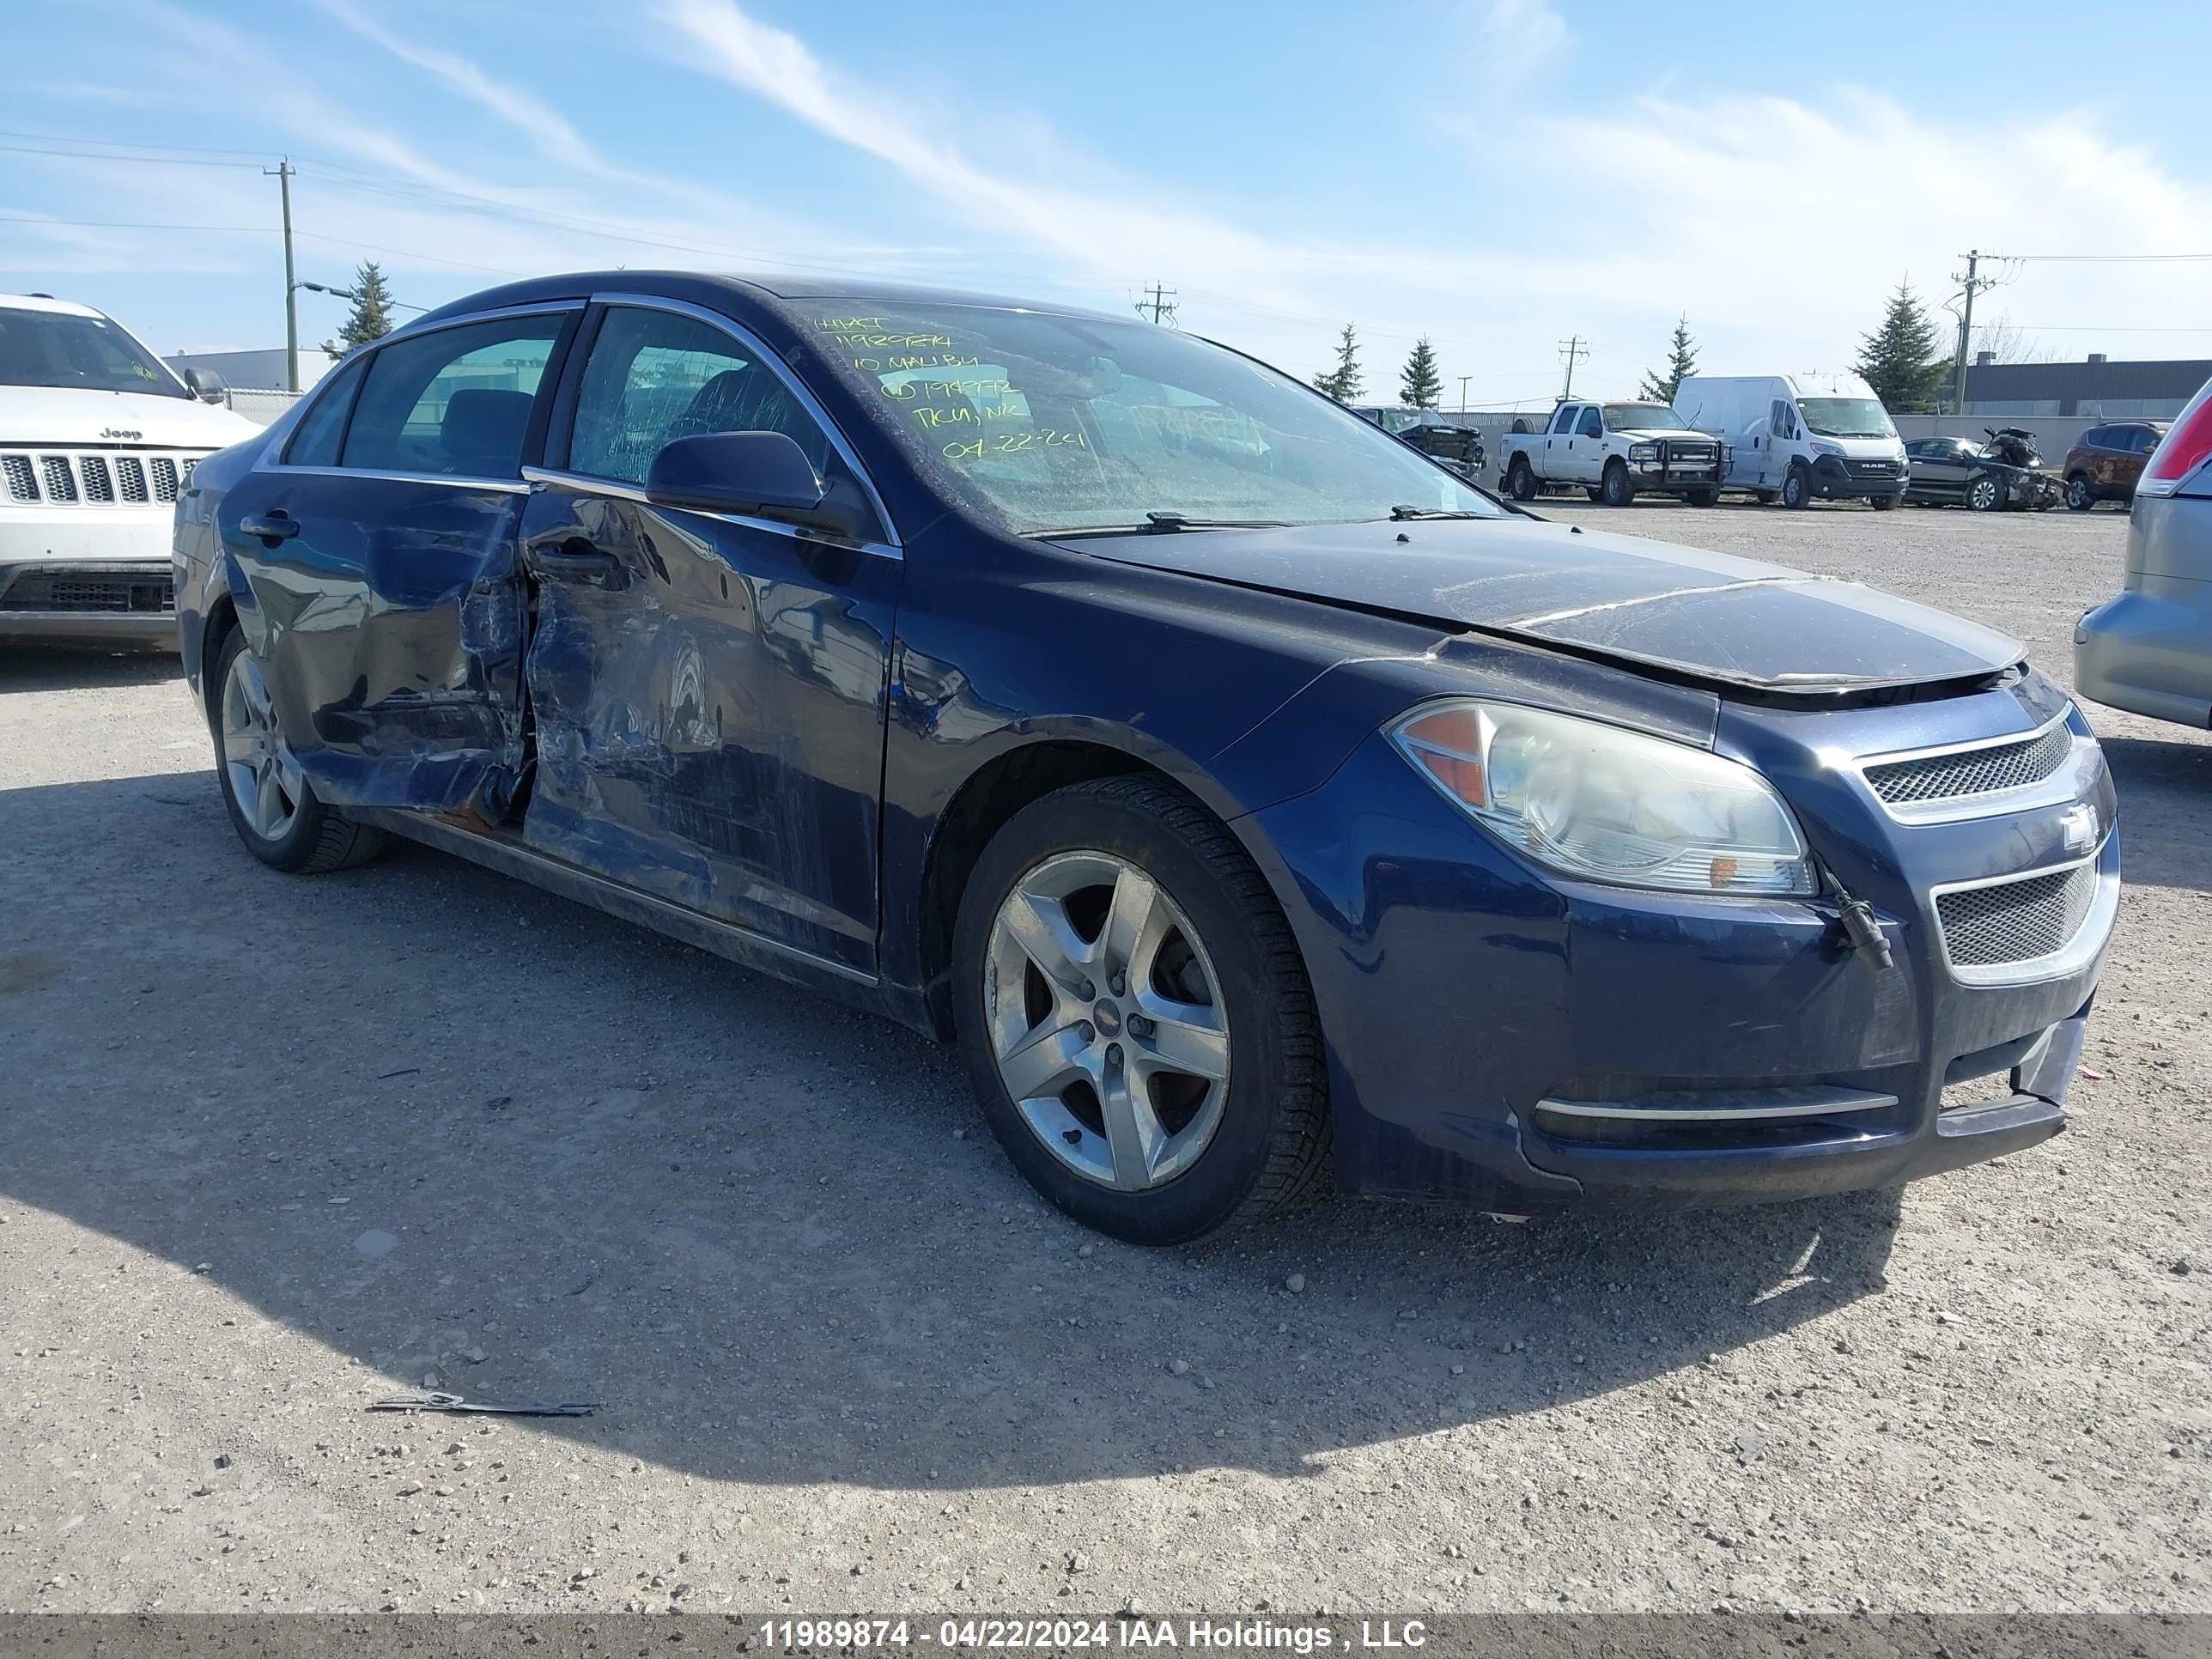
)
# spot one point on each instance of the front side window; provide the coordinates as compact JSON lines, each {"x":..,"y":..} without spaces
{"x":1049,"y":422}
{"x":78,"y":354}
{"x":315,"y":439}
{"x":654,"y":376}
{"x":454,"y":401}
{"x":1590,"y":426}
{"x":1781,"y":425}
{"x":1846,"y":417}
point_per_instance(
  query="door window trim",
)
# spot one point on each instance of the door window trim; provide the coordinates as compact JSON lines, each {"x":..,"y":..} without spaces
{"x":554,"y":308}
{"x":565,"y":419}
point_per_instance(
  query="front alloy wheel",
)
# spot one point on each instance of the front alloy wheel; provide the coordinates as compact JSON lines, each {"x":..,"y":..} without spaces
{"x":1107,"y":1021}
{"x":1985,"y":494}
{"x":1135,"y":1014}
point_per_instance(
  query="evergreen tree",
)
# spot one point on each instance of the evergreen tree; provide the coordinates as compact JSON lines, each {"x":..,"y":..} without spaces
{"x":1903,"y":360}
{"x":1344,"y":382}
{"x":372,"y":312}
{"x":1420,"y":385}
{"x":1660,"y":386}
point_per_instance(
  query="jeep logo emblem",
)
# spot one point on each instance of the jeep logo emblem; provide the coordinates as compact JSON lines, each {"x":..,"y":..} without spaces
{"x":124,"y":433}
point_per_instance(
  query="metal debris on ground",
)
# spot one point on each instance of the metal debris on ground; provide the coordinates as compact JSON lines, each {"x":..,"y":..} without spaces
{"x":433,"y":1401}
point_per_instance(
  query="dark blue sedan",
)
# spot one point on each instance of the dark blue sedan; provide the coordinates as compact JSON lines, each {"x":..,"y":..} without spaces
{"x":1250,"y":798}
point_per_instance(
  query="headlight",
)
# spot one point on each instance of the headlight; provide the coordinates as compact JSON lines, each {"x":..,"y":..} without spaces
{"x":1820,"y":448}
{"x":1594,"y":801}
{"x":1644,"y":452}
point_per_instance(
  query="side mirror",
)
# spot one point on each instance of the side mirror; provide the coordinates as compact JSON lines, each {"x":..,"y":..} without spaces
{"x":205,"y":384}
{"x":763,"y":475}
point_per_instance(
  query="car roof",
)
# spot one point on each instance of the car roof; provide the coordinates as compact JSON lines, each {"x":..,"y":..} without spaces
{"x":747,"y":289}
{"x":46,"y":302}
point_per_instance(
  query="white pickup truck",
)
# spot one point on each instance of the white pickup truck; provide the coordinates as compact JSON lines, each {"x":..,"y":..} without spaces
{"x":97,"y":440}
{"x":1616,"y":452}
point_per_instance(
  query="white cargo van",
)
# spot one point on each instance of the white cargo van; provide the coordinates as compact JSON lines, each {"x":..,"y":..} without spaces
{"x":97,"y":439}
{"x":1796,"y":436}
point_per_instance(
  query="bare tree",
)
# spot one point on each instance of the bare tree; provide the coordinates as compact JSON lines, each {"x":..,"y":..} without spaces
{"x":2008,"y":345}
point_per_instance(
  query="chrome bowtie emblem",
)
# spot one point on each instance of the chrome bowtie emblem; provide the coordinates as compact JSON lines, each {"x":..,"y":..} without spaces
{"x":1107,"y":1018}
{"x":2079,"y":827}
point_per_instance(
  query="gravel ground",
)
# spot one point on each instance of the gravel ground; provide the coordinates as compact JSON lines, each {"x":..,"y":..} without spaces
{"x":274,"y":1147}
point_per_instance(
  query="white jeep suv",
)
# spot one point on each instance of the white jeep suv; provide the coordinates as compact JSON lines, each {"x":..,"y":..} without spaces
{"x":97,"y":439}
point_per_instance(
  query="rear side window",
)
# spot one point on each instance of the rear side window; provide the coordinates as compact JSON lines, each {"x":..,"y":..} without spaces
{"x":2095,"y":438}
{"x":456,"y":401}
{"x":654,"y":376}
{"x":1565,"y":420}
{"x":315,"y":439}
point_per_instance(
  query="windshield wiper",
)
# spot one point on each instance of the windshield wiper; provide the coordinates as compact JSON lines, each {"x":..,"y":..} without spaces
{"x":1401,"y":515}
{"x":1157,"y":524}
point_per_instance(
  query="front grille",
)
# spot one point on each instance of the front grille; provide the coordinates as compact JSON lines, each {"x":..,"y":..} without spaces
{"x":1974,"y":771}
{"x":1690,"y":452}
{"x":83,"y":592}
{"x":2015,"y":921}
{"x":94,"y":478}
{"x":1873,"y":469}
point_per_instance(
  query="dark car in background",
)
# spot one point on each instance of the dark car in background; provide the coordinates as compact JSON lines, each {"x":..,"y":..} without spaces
{"x":1234,"y":787}
{"x":1436,"y":436}
{"x":1958,"y":472}
{"x":2106,"y":460}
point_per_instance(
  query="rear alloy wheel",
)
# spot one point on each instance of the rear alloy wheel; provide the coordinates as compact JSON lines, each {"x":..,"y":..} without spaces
{"x":272,"y":806}
{"x":2078,"y":498}
{"x":1135,"y":1016}
{"x":1796,"y":488}
{"x":1984,"y":493}
{"x":1616,"y":490}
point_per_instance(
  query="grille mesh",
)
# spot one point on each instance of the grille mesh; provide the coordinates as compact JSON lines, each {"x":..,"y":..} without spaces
{"x":2017,"y":922}
{"x":130,"y":477}
{"x":1974,"y":772}
{"x":59,"y":480}
{"x":165,"y":478}
{"x":98,"y":485}
{"x":87,"y":592}
{"x":23,"y":481}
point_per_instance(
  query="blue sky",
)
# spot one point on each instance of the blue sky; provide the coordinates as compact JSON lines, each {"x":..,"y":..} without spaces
{"x":1499,"y":173}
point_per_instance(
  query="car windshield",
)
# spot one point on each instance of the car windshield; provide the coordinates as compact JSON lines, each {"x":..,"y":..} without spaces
{"x":1846,"y":417}
{"x":1629,"y":418}
{"x":84,"y":353}
{"x":1047,"y":422}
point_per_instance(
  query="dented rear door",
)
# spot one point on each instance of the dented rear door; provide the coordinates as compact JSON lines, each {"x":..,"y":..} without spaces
{"x":374,"y":567}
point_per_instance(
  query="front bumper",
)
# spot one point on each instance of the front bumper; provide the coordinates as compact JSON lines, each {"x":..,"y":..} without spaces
{"x":123,"y":600}
{"x":1836,"y":479}
{"x":1464,"y":998}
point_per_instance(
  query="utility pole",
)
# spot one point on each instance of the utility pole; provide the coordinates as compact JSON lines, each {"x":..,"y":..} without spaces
{"x":1463,"y":379}
{"x":1570,"y":353}
{"x":1157,"y":305}
{"x":284,"y":170}
{"x":1974,"y":285}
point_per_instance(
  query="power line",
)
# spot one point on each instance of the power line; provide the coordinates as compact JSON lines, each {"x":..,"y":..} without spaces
{"x":256,"y":230}
{"x":134,"y":161}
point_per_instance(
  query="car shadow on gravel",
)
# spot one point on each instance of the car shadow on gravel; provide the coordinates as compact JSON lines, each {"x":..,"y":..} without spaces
{"x":446,"y":1127}
{"x":38,"y":666}
{"x":2165,"y":788}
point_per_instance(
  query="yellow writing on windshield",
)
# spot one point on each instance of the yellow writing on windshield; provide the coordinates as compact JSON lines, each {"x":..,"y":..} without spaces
{"x":1008,"y":443}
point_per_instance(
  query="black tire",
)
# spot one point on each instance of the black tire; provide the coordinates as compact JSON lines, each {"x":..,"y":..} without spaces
{"x":1765,"y":497}
{"x":1616,"y":491}
{"x":318,"y":839}
{"x":1702,"y":497}
{"x":2078,"y":498}
{"x":1594,"y":493}
{"x":1520,"y":479}
{"x":1883,"y":503}
{"x":1271,"y":1148}
{"x":1985,"y":493}
{"x":1796,"y":488}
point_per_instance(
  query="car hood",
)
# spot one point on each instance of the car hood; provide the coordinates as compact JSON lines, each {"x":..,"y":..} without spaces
{"x":41,"y":415}
{"x":1706,"y":616}
{"x":1648,"y":434}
